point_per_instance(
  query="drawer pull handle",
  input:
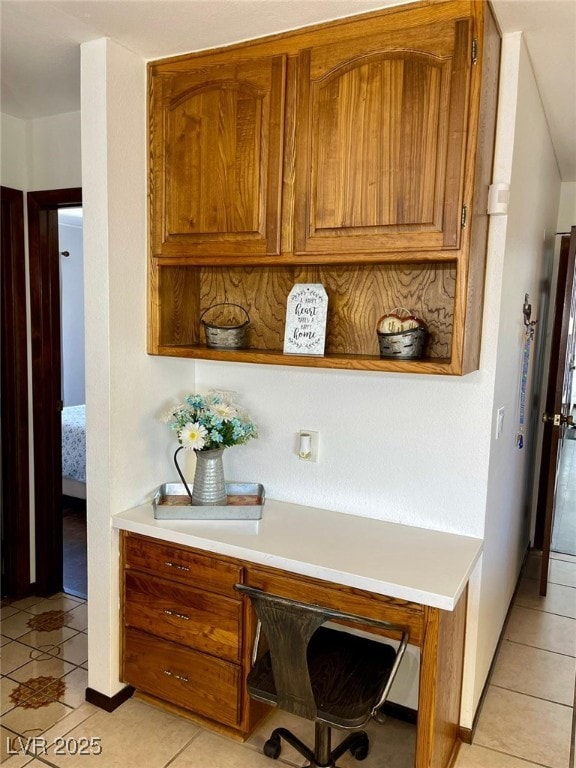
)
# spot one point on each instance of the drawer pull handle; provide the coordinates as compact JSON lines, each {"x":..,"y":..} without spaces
{"x":175,"y":565}
{"x":183,"y":616}
{"x":175,"y":676}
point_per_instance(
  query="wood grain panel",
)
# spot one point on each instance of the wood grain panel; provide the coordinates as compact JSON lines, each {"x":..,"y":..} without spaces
{"x":196,"y":681}
{"x":449,"y":686}
{"x":357,"y":601}
{"x":357,"y":298}
{"x":174,"y":305}
{"x":182,"y":564}
{"x":440,"y":686}
{"x":486,"y":103}
{"x":379,"y":168}
{"x":220,"y":126}
{"x":197,"y":618}
{"x":382,"y":133}
{"x":216,"y":142}
{"x":457,"y":125}
{"x":263,"y":293}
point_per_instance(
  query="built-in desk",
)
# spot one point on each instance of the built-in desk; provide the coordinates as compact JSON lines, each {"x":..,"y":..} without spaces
{"x":407,"y":575}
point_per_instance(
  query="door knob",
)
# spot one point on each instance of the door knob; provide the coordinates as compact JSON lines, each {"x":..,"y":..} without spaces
{"x":557,"y":419}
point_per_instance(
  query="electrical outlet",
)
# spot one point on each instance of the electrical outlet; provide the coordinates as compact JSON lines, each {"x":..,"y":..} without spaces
{"x":308,"y":445}
{"x":499,"y":422}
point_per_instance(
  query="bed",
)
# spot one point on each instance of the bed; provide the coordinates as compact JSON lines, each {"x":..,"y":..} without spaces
{"x":74,"y":451}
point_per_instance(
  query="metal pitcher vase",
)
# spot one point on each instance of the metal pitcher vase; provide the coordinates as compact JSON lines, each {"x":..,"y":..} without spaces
{"x":209,"y":487}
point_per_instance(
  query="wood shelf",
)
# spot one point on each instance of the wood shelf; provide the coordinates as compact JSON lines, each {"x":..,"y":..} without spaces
{"x":442,"y":366}
{"x":358,"y":297}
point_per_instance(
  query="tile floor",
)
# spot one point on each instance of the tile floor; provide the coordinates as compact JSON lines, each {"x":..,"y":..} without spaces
{"x":527,"y":717}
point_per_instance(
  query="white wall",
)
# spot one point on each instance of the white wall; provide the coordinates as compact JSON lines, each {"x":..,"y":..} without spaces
{"x":567,"y":209}
{"x":13,"y":152}
{"x":523,"y":264}
{"x":125,"y":388}
{"x":55,"y":152}
{"x":70,"y":239}
{"x":41,"y":154}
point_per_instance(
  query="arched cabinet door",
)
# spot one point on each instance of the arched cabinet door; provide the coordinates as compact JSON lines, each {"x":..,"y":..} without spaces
{"x":216,"y":138}
{"x":381,"y":141}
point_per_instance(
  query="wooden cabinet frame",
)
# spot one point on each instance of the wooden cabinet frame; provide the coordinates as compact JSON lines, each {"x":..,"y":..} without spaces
{"x":190,"y":273}
{"x":439,"y":635}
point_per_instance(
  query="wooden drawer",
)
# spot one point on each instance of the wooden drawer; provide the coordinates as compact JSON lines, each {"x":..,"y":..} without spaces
{"x":196,"y":618}
{"x":181,"y":564}
{"x":198,"y":682}
{"x":349,"y":599}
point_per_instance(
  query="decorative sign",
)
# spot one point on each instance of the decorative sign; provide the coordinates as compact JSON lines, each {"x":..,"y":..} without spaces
{"x":306,"y":313}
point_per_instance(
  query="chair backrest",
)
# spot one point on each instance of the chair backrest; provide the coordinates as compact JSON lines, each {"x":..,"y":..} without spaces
{"x":288,"y":629}
{"x":289,"y":626}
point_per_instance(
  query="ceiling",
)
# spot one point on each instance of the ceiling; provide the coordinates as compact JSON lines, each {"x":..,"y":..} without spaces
{"x":40,"y":39}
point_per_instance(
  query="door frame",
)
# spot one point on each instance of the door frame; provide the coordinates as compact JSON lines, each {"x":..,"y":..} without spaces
{"x":14,"y":401}
{"x":551,"y":439}
{"x":44,"y":259}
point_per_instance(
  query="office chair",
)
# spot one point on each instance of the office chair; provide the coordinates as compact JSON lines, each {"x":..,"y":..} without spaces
{"x":330,"y":676}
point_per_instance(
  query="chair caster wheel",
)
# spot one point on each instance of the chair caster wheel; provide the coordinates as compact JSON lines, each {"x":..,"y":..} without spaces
{"x":272,"y":747}
{"x":360,"y":749}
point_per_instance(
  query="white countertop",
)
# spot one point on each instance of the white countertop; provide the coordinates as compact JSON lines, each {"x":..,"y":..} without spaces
{"x":416,"y":564}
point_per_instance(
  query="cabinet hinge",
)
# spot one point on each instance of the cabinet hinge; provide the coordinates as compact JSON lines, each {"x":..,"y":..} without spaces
{"x":474,"y":51}
{"x":464,"y":216}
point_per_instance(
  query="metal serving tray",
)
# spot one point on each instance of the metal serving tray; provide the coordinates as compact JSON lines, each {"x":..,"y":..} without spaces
{"x":245,"y":502}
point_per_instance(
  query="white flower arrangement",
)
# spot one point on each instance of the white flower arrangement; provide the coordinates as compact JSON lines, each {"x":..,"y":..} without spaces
{"x":208,"y":422}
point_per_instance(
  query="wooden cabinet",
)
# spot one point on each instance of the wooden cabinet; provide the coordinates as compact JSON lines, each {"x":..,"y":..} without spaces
{"x":356,"y":154}
{"x":198,"y":682}
{"x":381,"y":137}
{"x":217,"y":145}
{"x":187,"y":638}
{"x":183,"y":630}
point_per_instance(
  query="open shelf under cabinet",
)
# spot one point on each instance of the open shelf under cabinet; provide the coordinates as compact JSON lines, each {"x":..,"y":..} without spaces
{"x":358,"y":295}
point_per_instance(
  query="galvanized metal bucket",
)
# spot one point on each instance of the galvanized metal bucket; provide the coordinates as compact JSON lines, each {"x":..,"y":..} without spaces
{"x":404,"y":345}
{"x":225,"y":336}
{"x":399,"y":342}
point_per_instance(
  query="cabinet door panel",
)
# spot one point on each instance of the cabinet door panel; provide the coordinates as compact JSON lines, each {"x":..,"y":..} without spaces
{"x":382,"y":133}
{"x":181,"y":676}
{"x":181,"y":564}
{"x":202,"y":620}
{"x":348,"y":599}
{"x":217,"y":144}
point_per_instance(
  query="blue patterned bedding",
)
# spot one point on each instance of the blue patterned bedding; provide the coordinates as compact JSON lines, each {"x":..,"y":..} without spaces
{"x":74,"y":442}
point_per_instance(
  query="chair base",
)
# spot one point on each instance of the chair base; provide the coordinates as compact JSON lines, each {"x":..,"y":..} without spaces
{"x":322,"y":756}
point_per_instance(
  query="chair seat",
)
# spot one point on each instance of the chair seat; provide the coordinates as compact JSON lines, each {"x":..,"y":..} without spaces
{"x":346,"y":673}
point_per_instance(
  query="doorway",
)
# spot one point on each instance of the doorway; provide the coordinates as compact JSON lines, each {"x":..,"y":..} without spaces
{"x":71,"y":251}
{"x":555,"y":528}
{"x":44,"y":254}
